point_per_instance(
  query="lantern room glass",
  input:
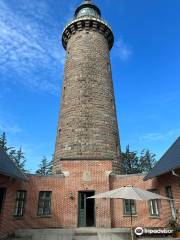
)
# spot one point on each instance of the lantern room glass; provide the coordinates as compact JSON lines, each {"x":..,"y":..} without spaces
{"x":87,"y":11}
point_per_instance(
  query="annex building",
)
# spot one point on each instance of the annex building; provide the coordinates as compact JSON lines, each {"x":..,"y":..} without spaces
{"x":87,"y":156}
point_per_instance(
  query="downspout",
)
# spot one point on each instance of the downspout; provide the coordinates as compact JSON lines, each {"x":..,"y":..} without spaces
{"x":175,"y":174}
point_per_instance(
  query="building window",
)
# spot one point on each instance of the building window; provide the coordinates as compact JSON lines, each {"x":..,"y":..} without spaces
{"x":129,"y":207}
{"x":20,"y":203}
{"x":44,"y":204}
{"x":2,"y":196}
{"x":171,"y":202}
{"x":154,"y":205}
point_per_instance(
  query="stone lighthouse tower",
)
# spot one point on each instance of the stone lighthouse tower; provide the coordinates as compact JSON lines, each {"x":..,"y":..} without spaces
{"x":87,"y":147}
{"x":87,"y":127}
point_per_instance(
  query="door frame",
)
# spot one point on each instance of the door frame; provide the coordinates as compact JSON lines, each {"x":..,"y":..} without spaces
{"x":78,"y":215}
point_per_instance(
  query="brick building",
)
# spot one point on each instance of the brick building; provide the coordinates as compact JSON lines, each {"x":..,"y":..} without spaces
{"x":87,"y":152}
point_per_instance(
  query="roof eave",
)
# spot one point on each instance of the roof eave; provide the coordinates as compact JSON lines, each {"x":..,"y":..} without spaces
{"x":23,"y":178}
{"x":151,"y":175}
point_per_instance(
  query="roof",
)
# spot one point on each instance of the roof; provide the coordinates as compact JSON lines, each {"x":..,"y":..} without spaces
{"x":168,"y":162}
{"x":8,"y":167}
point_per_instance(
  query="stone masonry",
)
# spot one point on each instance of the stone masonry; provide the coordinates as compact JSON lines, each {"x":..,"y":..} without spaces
{"x":87,"y":128}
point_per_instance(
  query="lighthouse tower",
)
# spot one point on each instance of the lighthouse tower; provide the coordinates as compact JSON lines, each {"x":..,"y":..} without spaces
{"x":87,"y":127}
{"x":87,"y":147}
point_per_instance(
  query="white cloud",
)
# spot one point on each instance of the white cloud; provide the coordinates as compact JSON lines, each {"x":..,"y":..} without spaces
{"x":122,"y":50}
{"x":151,"y":137}
{"x":28,"y":42}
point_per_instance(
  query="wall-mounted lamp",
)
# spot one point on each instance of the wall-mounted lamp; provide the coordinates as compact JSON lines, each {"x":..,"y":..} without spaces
{"x":71,"y":195}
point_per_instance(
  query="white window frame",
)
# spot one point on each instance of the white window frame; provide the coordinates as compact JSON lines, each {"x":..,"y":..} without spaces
{"x":154,"y":205}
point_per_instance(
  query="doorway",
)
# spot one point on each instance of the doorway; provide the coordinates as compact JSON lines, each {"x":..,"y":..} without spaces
{"x":86,"y":209}
{"x":2,"y":197}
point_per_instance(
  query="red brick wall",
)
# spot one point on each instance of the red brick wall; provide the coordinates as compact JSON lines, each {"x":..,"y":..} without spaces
{"x":97,"y":180}
{"x":143,"y":218}
{"x":8,"y":223}
{"x":82,"y":176}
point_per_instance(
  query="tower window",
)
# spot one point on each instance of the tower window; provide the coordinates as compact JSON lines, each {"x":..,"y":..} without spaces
{"x":20,"y":203}
{"x":109,"y":67}
{"x":117,"y":149}
{"x":44,"y":204}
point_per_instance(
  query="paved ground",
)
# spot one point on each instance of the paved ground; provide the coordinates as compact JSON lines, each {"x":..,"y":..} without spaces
{"x":77,"y":234}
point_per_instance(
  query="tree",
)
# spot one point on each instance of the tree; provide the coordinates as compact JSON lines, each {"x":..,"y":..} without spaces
{"x":17,"y":156}
{"x":3,"y":141}
{"x":20,"y":159}
{"x":133,"y":163}
{"x":146,"y":161}
{"x":44,"y":167}
{"x":12,"y":154}
{"x":130,"y":161}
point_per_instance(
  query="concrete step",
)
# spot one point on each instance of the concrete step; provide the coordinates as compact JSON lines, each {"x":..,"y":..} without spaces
{"x":80,"y":235}
{"x":73,"y":234}
{"x":85,"y":238}
{"x":51,"y":237}
{"x":155,"y":238}
{"x":46,"y":234}
{"x":15,"y":238}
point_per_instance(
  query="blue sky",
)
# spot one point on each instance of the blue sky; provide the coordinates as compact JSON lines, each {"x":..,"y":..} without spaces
{"x":145,"y":63}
